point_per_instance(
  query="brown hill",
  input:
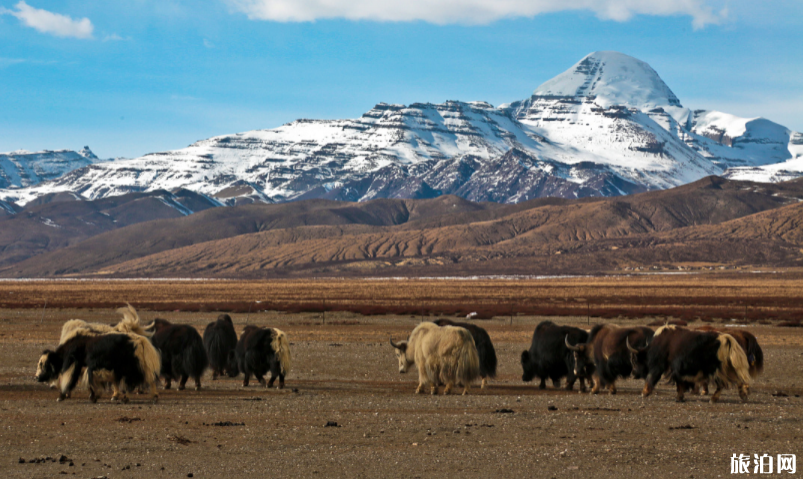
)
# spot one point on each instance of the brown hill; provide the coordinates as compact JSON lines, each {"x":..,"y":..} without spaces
{"x":712,"y":221}
{"x":60,"y":220}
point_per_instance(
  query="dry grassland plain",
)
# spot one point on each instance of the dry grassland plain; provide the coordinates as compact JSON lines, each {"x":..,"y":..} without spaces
{"x":344,"y":372}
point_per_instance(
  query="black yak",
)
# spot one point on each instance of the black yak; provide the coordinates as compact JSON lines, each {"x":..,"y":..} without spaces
{"x":259,"y":351}
{"x":125,"y":359}
{"x":606,"y":349}
{"x":691,"y":357}
{"x":485,"y":348}
{"x":444,"y":356}
{"x":549,"y":357}
{"x":183,"y":353}
{"x":220,"y":339}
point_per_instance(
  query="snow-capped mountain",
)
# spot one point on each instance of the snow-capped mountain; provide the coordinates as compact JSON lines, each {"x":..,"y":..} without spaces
{"x":607,"y":126}
{"x":19,"y":169}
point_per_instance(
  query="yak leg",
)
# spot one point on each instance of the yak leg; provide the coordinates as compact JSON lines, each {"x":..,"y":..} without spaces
{"x":543,"y":384}
{"x":597,"y":385}
{"x":681,"y":389}
{"x":556,"y":383}
{"x":168,"y":382}
{"x":214,"y":374}
{"x":246,"y":378}
{"x":718,"y":392}
{"x":484,"y":384}
{"x":197,"y":380}
{"x":582,"y":385}
{"x":183,"y":382}
{"x":612,"y":388}
{"x":118,"y":393}
{"x":433,"y":389}
{"x":272,"y":379}
{"x":281,"y":381}
{"x":744,"y":389}
{"x":261,"y":379}
{"x":649,"y":385}
{"x":570,"y":379}
{"x":448,"y":389}
{"x":702,"y":386}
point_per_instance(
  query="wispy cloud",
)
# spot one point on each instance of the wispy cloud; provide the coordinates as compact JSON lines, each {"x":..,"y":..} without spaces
{"x":702,"y":12}
{"x":51,"y":23}
{"x":208,"y":44}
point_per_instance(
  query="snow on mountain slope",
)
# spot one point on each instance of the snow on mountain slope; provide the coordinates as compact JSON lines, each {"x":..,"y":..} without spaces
{"x":607,"y":126}
{"x":611,"y":78}
{"x":22,"y":168}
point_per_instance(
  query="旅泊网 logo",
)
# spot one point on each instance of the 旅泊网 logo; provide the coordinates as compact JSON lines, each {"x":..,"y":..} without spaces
{"x":764,"y":464}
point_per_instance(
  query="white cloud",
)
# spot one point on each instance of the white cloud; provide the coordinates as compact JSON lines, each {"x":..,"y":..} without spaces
{"x":49,"y":22}
{"x":470,"y":11}
{"x":208,"y":44}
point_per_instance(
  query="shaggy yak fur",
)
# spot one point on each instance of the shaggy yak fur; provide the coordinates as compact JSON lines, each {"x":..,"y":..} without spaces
{"x":691,"y":357}
{"x":444,"y":356}
{"x":220,"y":339}
{"x":606,"y":350}
{"x":182,"y":350}
{"x":129,"y":324}
{"x":126,"y":361}
{"x":549,"y":357}
{"x":749,"y":343}
{"x":485,"y":348}
{"x":260,"y":350}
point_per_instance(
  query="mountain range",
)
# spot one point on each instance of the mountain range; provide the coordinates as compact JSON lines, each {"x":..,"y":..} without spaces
{"x":608,"y":126}
{"x":712,"y":223}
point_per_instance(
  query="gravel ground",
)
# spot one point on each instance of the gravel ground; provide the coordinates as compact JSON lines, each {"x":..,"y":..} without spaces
{"x":344,"y":372}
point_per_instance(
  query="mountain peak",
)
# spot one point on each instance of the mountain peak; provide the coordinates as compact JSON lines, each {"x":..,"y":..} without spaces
{"x":612,"y":78}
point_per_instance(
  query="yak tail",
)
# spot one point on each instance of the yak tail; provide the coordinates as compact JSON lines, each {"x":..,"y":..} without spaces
{"x":755,"y":356}
{"x":467,"y":368}
{"x":130,"y":322}
{"x":734,"y":366}
{"x":487,"y":355}
{"x":281,"y":346}
{"x":150,"y":362}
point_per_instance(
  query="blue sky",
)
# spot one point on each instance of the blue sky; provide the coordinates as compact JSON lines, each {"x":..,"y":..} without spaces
{"x":128,"y":78}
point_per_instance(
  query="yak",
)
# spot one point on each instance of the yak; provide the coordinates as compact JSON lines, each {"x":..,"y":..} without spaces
{"x":549,"y":357}
{"x":125,"y":359}
{"x":606,"y":349}
{"x":485,"y":348}
{"x":443,"y":355}
{"x":220,"y":339}
{"x":182,"y":350}
{"x":690,"y":357}
{"x":749,"y":343}
{"x":259,"y":351}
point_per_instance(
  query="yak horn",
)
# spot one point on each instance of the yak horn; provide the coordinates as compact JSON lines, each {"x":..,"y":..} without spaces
{"x":629,"y":347}
{"x":393,"y":344}
{"x":573,"y":348}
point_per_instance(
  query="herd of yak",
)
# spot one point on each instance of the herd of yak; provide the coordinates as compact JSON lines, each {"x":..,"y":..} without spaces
{"x":129,"y":356}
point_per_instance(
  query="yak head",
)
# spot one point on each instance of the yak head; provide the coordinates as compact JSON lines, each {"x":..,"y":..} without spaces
{"x":48,"y":367}
{"x":157,"y":325}
{"x":232,"y":369}
{"x":638,"y":359}
{"x":400,"y":349}
{"x":582,"y":355}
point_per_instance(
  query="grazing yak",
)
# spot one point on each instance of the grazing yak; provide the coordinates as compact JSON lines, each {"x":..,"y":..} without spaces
{"x":749,"y":343}
{"x":182,"y":350}
{"x":549,"y":357}
{"x":220,"y":339}
{"x":691,"y":357}
{"x":485,"y":348}
{"x":129,"y":324}
{"x":606,"y":349}
{"x":444,"y":356}
{"x":260,"y":350}
{"x":123,"y":359}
